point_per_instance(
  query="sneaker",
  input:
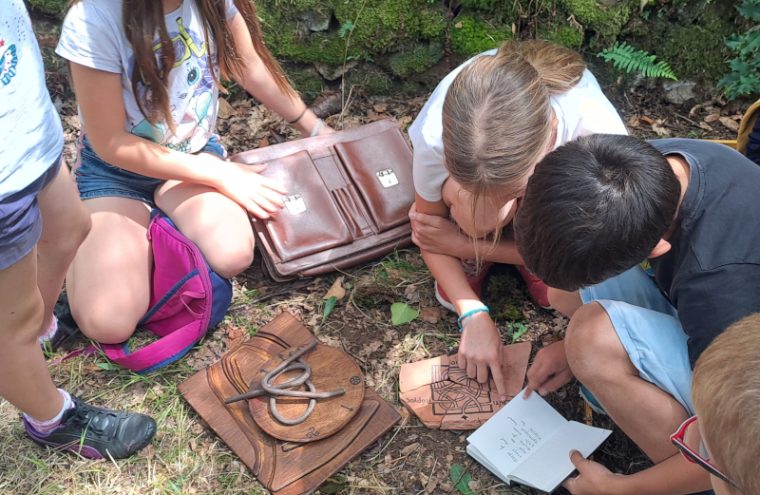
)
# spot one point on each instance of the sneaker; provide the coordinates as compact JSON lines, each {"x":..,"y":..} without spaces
{"x":476,"y":280}
{"x":537,"y":289}
{"x":97,"y":433}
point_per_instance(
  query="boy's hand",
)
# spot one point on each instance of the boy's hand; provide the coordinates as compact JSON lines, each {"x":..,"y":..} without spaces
{"x":549,"y":370}
{"x":592,"y":479}
{"x":439,"y":235}
{"x":480,"y":351}
{"x":244,"y":184}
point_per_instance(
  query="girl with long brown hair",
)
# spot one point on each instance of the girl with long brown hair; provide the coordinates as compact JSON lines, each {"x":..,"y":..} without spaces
{"x":147,"y":75}
{"x":476,"y":143}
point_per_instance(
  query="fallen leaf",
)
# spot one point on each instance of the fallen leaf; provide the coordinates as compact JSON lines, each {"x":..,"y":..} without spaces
{"x":412,"y":293}
{"x":659,"y":128}
{"x":330,"y":303}
{"x":729,"y":123}
{"x":634,"y":121}
{"x":402,"y":313}
{"x":461,"y":479}
{"x":225,"y":109}
{"x":646,"y":120}
{"x":410,"y":448}
{"x":336,"y":290}
{"x":431,"y":315}
{"x":712,"y":117}
{"x":263,"y":142}
{"x":380,"y":107}
{"x":705,"y":126}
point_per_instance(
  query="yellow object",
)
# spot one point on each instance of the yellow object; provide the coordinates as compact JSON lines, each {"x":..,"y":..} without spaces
{"x":745,"y":128}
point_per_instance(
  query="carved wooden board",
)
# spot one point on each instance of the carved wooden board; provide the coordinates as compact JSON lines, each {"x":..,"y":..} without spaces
{"x":330,"y":369}
{"x":441,"y":394}
{"x":284,"y":468}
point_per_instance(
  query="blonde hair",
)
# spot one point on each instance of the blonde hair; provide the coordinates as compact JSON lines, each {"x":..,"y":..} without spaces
{"x":497,"y":119}
{"x":726,"y":396}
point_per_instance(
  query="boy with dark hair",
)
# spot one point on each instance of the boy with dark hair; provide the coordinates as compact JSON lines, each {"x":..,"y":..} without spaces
{"x":600,"y":206}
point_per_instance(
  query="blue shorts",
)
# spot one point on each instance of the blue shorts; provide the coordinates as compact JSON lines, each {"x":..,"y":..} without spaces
{"x":20,"y":220}
{"x":97,"y":179}
{"x":649,"y":329}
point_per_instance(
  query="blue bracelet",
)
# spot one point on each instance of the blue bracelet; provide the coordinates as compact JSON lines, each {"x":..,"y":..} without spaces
{"x":467,"y":314}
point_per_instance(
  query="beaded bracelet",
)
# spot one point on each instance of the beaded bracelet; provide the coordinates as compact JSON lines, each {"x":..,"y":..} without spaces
{"x":467,"y":314}
{"x":300,"y":115}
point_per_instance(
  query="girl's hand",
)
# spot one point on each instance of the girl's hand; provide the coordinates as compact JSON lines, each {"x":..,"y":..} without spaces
{"x":480,"y":351}
{"x":592,"y":479}
{"x":242,"y":183}
{"x":439,"y":235}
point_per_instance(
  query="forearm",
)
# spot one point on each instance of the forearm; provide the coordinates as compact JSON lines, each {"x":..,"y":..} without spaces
{"x":449,"y":274}
{"x":673,"y":476}
{"x":138,"y":155}
{"x":504,"y":251}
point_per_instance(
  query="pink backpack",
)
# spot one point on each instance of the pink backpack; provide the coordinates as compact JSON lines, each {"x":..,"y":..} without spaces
{"x":187,"y":298}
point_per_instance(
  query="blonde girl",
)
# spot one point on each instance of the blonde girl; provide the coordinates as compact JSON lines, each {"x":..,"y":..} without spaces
{"x":147,"y":75}
{"x":476,"y":143}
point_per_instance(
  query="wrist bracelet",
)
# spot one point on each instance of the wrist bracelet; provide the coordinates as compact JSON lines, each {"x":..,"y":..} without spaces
{"x":300,"y":115}
{"x":317,"y":127}
{"x":467,"y":314}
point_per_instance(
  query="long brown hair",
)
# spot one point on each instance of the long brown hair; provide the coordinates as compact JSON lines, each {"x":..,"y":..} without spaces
{"x":142,"y":19}
{"x":497,"y":118}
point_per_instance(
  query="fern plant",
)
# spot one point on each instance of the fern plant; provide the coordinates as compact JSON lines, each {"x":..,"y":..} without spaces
{"x":744,"y":78}
{"x":628,"y":59}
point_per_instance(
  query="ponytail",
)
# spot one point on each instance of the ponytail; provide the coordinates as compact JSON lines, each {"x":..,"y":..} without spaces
{"x":558,"y":67}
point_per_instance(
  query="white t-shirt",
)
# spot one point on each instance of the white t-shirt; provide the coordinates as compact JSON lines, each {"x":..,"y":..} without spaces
{"x":31,"y":136}
{"x":93,"y":36}
{"x":581,"y":111}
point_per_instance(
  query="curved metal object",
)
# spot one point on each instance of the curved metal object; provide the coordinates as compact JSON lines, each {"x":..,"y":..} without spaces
{"x":267,"y":387}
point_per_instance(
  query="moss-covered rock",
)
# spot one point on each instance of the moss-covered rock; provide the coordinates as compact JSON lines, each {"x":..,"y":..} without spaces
{"x":372,"y":80}
{"x":50,"y":7}
{"x":568,"y":36}
{"x":604,"y":20}
{"x":470,"y":36}
{"x":418,"y":59}
{"x":305,"y":79}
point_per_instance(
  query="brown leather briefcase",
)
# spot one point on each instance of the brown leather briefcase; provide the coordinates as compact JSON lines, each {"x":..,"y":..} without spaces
{"x":289,"y":460}
{"x":348,"y":198}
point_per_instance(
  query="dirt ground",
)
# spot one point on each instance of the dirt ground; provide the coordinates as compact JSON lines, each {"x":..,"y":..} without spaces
{"x":187,"y":457}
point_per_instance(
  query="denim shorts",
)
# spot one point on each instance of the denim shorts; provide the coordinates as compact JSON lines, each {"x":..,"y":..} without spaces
{"x":649,"y":329}
{"x":97,"y":179}
{"x":20,"y":220}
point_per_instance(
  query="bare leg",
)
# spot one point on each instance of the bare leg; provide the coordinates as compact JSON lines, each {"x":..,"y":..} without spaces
{"x":26,"y":381}
{"x":216,"y":224}
{"x":564,"y":302}
{"x":647,"y":414}
{"x":108,"y":283}
{"x":65,"y":224}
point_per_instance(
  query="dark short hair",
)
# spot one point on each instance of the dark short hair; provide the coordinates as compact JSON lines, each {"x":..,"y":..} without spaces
{"x":594,"y":208}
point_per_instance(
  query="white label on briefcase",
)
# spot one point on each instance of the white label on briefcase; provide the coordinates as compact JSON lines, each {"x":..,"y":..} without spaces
{"x":387,"y":177}
{"x":295,"y":204}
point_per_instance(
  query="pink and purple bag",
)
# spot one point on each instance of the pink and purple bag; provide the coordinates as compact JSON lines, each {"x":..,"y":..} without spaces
{"x":187,"y":299}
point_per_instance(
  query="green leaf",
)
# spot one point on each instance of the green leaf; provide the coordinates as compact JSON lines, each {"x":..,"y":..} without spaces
{"x":108,"y":366}
{"x":461,"y":479}
{"x":330,"y":303}
{"x":345,"y":28}
{"x":402,"y":313}
{"x":518,"y":330}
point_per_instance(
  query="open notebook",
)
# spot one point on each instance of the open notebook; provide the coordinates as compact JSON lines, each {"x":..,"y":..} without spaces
{"x":529,"y":442}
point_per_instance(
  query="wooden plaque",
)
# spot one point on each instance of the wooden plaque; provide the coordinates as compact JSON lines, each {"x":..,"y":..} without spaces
{"x":284,"y":468}
{"x":330,"y":369}
{"x":441,"y":394}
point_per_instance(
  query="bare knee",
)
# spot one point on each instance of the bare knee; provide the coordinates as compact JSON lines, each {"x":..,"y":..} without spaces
{"x":591,"y":343}
{"x":105,"y":324}
{"x":230,"y":260}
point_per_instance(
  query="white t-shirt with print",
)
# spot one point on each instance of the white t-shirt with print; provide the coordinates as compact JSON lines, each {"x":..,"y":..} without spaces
{"x":581,"y":111}
{"x":31,"y":136}
{"x":93,"y":36}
